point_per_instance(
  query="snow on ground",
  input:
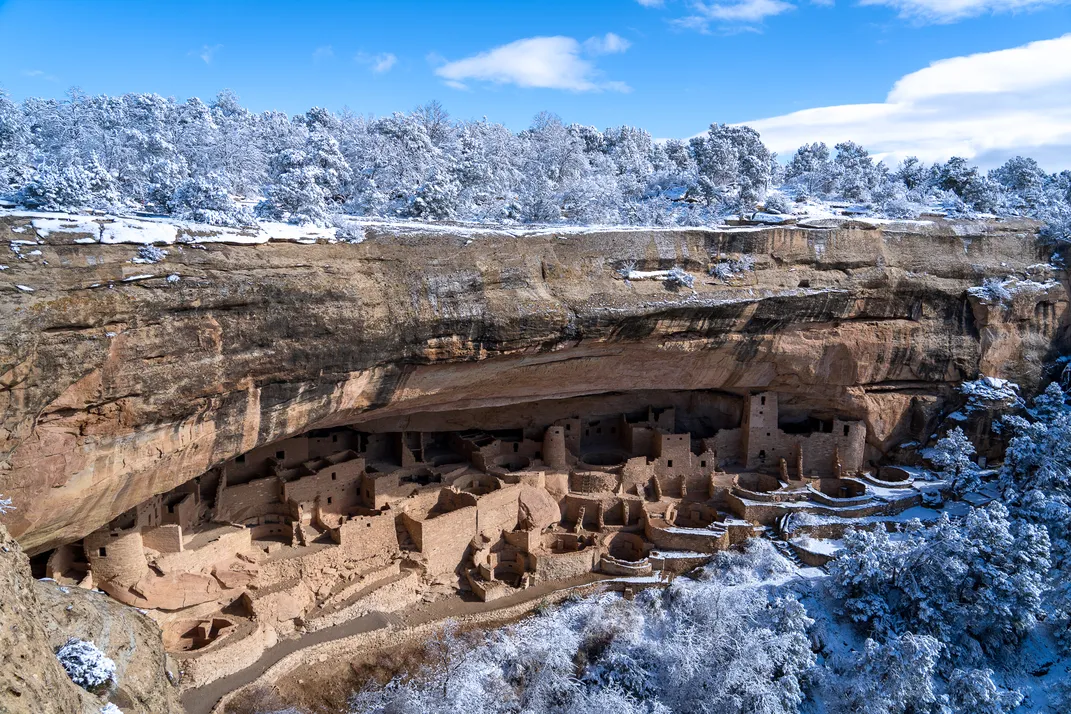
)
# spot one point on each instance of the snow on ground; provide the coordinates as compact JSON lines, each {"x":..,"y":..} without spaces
{"x":162,"y":230}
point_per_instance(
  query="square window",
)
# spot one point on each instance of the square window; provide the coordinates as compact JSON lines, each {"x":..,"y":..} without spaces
{"x":846,"y":430}
{"x":240,"y":459}
{"x":703,"y":464}
{"x":669,"y":463}
{"x":280,"y":454}
{"x":568,"y":427}
{"x":102,"y":552}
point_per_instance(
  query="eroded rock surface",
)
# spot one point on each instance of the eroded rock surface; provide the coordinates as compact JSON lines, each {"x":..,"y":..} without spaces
{"x":32,"y":681}
{"x":118,"y":382}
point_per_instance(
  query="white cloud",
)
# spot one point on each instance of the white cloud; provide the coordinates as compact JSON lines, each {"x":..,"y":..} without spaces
{"x":378,"y":63}
{"x":608,"y":44}
{"x":323,"y":53}
{"x":737,"y":12}
{"x":206,"y":53}
{"x":985,"y":107}
{"x":942,"y":11}
{"x":544,"y":62}
{"x":40,"y":74}
{"x":651,"y":3}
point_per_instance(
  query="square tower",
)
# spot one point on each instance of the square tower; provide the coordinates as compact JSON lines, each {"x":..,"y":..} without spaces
{"x":761,"y":434}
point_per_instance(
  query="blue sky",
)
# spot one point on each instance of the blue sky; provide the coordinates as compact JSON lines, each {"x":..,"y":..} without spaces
{"x":672,"y":67}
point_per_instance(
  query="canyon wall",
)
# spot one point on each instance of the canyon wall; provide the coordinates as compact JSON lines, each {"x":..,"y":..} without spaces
{"x":118,"y":382}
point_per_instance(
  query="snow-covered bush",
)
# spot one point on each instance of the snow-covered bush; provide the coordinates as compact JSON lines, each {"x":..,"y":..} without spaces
{"x":777,"y":203}
{"x":5,"y":505}
{"x":734,"y":267}
{"x":86,"y":665}
{"x":993,"y":290}
{"x":991,"y":393}
{"x":110,"y":708}
{"x":205,"y":199}
{"x":149,"y":254}
{"x":678,"y":278}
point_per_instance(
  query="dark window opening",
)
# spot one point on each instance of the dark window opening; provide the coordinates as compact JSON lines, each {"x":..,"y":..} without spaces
{"x":170,"y":508}
{"x":599,"y":430}
{"x":767,"y":433}
{"x":762,"y":453}
{"x":587,"y":432}
{"x":762,"y":400}
{"x":669,"y":463}
{"x":613,"y":430}
{"x":102,"y":552}
{"x":329,"y":500}
{"x":280,"y":455}
{"x":240,"y":459}
{"x":334,"y":438}
{"x":334,"y":476}
{"x":846,"y":430}
{"x":702,"y":464}
{"x":568,"y":427}
{"x":515,"y":447}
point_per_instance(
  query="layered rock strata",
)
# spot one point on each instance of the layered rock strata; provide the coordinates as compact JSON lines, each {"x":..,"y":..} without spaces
{"x":119,"y":381}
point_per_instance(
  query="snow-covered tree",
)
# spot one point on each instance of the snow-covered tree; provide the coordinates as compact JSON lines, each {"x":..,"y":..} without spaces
{"x":15,"y":144}
{"x":297,"y":192}
{"x":132,"y":152}
{"x":205,"y":199}
{"x":977,"y":583}
{"x":69,"y":187}
{"x":720,"y":644}
{"x":954,"y":455}
{"x":86,"y":664}
{"x":896,"y":676}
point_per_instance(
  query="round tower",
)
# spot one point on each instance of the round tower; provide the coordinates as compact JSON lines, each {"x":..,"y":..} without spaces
{"x":554,"y":453}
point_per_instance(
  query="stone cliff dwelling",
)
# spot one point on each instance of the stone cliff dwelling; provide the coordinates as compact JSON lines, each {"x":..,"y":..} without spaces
{"x":314,"y":529}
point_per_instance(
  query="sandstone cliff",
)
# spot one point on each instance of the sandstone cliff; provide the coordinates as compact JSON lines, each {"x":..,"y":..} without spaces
{"x":118,"y":382}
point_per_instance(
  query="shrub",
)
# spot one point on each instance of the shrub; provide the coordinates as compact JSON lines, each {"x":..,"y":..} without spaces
{"x":86,"y":665}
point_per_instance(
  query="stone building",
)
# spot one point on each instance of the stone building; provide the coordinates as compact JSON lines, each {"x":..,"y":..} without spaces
{"x":301,"y":532}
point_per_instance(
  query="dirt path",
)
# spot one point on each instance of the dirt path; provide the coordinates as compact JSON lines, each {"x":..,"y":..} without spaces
{"x":203,"y":699}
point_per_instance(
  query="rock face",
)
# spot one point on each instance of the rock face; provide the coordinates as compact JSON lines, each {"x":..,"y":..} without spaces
{"x":37,"y":618}
{"x":129,"y":638}
{"x":118,"y":382}
{"x":32,"y":681}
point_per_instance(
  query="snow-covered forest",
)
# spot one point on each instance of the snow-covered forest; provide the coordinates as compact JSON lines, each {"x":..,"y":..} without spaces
{"x":219,"y":163}
{"x":968,"y":613}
